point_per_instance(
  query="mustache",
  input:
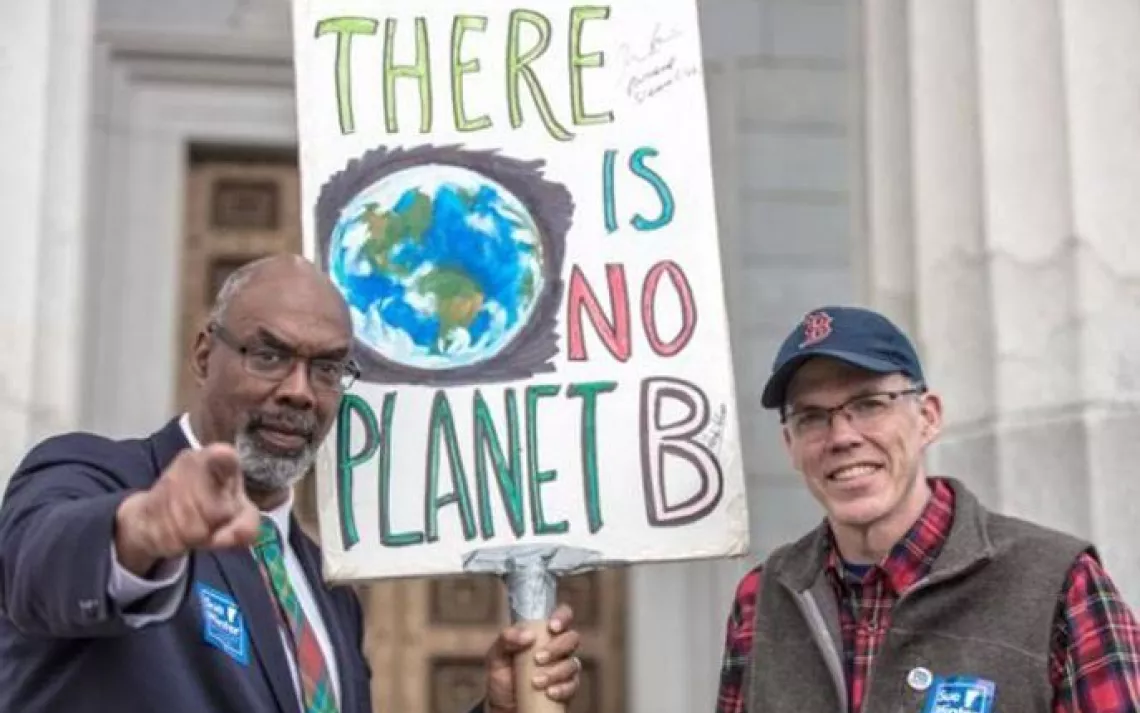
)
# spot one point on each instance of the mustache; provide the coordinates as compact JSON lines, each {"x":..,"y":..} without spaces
{"x":301,"y":423}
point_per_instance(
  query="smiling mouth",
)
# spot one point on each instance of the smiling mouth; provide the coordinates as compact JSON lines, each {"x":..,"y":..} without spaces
{"x":851,"y":473}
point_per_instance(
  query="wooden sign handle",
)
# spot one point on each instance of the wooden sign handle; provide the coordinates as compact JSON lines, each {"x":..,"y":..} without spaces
{"x":531,"y":699}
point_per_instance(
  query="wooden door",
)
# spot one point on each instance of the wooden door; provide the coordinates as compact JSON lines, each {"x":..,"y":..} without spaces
{"x":424,"y":638}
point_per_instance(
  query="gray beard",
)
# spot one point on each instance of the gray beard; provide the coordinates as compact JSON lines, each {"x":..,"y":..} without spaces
{"x":266,"y":472}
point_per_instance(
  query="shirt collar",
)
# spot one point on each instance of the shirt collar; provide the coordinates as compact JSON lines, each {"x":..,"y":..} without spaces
{"x":280,"y":514}
{"x":912,"y":557}
{"x":187,"y":431}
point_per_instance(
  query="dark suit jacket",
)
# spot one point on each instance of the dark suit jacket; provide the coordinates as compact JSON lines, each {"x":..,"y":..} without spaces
{"x":64,"y":646}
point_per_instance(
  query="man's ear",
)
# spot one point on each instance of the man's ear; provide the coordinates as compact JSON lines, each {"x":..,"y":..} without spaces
{"x":200,"y":357}
{"x":931,"y":410}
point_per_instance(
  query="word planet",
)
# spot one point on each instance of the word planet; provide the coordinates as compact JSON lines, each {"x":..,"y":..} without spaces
{"x":441,"y":266}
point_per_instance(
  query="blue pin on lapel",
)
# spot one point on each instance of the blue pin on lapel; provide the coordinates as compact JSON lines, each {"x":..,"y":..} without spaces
{"x":223,"y":625}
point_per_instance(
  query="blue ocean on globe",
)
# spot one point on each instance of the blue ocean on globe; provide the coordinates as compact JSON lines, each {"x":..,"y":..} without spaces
{"x":441,"y":266}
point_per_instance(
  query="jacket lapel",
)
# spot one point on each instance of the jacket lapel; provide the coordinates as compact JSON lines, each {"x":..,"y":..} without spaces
{"x":166,"y":444}
{"x":344,"y":648}
{"x":240,"y":572}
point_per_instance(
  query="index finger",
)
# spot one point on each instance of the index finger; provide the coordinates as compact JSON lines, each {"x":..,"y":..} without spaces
{"x":221,"y":461}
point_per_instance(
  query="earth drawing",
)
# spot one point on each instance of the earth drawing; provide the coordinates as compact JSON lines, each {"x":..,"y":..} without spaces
{"x":442,"y":266}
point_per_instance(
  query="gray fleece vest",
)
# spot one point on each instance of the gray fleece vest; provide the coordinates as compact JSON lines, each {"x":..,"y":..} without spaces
{"x":985,"y":610}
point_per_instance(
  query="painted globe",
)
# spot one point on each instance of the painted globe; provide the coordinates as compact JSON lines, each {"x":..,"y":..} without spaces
{"x":441,"y":266}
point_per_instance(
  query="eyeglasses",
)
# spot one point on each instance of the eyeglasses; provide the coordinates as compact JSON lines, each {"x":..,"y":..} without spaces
{"x":276,"y":363}
{"x":863,"y":411}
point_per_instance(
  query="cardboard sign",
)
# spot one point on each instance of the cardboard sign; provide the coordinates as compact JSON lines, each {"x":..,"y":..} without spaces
{"x":517,"y":204}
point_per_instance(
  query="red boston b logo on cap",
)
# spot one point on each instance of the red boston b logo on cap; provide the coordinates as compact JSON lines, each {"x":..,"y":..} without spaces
{"x":817,"y":327}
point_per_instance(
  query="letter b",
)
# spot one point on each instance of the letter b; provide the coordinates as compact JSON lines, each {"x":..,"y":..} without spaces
{"x":676,"y":439}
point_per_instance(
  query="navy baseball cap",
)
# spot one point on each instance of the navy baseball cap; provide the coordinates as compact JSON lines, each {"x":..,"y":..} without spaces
{"x":858,"y":336}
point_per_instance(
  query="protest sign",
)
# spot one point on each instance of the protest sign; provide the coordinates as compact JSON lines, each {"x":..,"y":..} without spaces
{"x":517,"y":204}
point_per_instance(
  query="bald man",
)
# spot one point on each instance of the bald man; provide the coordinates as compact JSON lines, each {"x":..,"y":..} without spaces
{"x":169,"y":573}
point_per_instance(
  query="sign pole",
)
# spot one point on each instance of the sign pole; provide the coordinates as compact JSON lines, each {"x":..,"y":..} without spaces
{"x":532,"y":594}
{"x":531,"y":573}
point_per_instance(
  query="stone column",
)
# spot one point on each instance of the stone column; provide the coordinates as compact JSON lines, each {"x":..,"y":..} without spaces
{"x":1002,"y":167}
{"x":44,"y":87}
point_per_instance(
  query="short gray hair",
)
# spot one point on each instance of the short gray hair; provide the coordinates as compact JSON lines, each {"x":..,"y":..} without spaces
{"x":230,"y":289}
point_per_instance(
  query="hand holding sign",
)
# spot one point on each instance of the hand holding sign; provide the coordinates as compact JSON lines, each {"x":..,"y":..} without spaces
{"x":540,"y":657}
{"x":199,"y":501}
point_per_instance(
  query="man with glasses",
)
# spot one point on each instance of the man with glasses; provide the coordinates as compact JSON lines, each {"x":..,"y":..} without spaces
{"x":910,"y":596}
{"x":168,"y":572}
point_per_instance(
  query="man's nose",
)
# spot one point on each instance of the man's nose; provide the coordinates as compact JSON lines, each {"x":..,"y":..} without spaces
{"x":296,"y":388}
{"x":842,"y":434}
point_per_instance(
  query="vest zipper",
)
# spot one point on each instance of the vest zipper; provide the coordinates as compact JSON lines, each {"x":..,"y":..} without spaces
{"x":823,"y":641}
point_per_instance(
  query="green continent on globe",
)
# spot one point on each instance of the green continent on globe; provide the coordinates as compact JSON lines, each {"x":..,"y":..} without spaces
{"x":387,"y":229}
{"x":457,"y":297}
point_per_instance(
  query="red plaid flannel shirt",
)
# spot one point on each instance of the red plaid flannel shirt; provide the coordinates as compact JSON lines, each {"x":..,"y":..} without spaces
{"x":1094,"y":662}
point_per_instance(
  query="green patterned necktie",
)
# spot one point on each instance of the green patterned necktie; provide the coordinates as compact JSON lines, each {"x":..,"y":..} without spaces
{"x":316,"y":688}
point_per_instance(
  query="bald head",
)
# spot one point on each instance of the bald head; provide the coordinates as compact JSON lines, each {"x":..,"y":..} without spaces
{"x":286,"y":269}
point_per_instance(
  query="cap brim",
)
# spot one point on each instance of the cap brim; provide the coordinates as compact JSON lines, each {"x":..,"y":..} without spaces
{"x":776,"y":388}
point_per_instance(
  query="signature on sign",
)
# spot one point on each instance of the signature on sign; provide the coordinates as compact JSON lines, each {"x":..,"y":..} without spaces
{"x":648,"y":71}
{"x":713,"y":435}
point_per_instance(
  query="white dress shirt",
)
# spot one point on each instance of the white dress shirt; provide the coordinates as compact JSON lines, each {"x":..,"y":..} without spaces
{"x":170,"y":579}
